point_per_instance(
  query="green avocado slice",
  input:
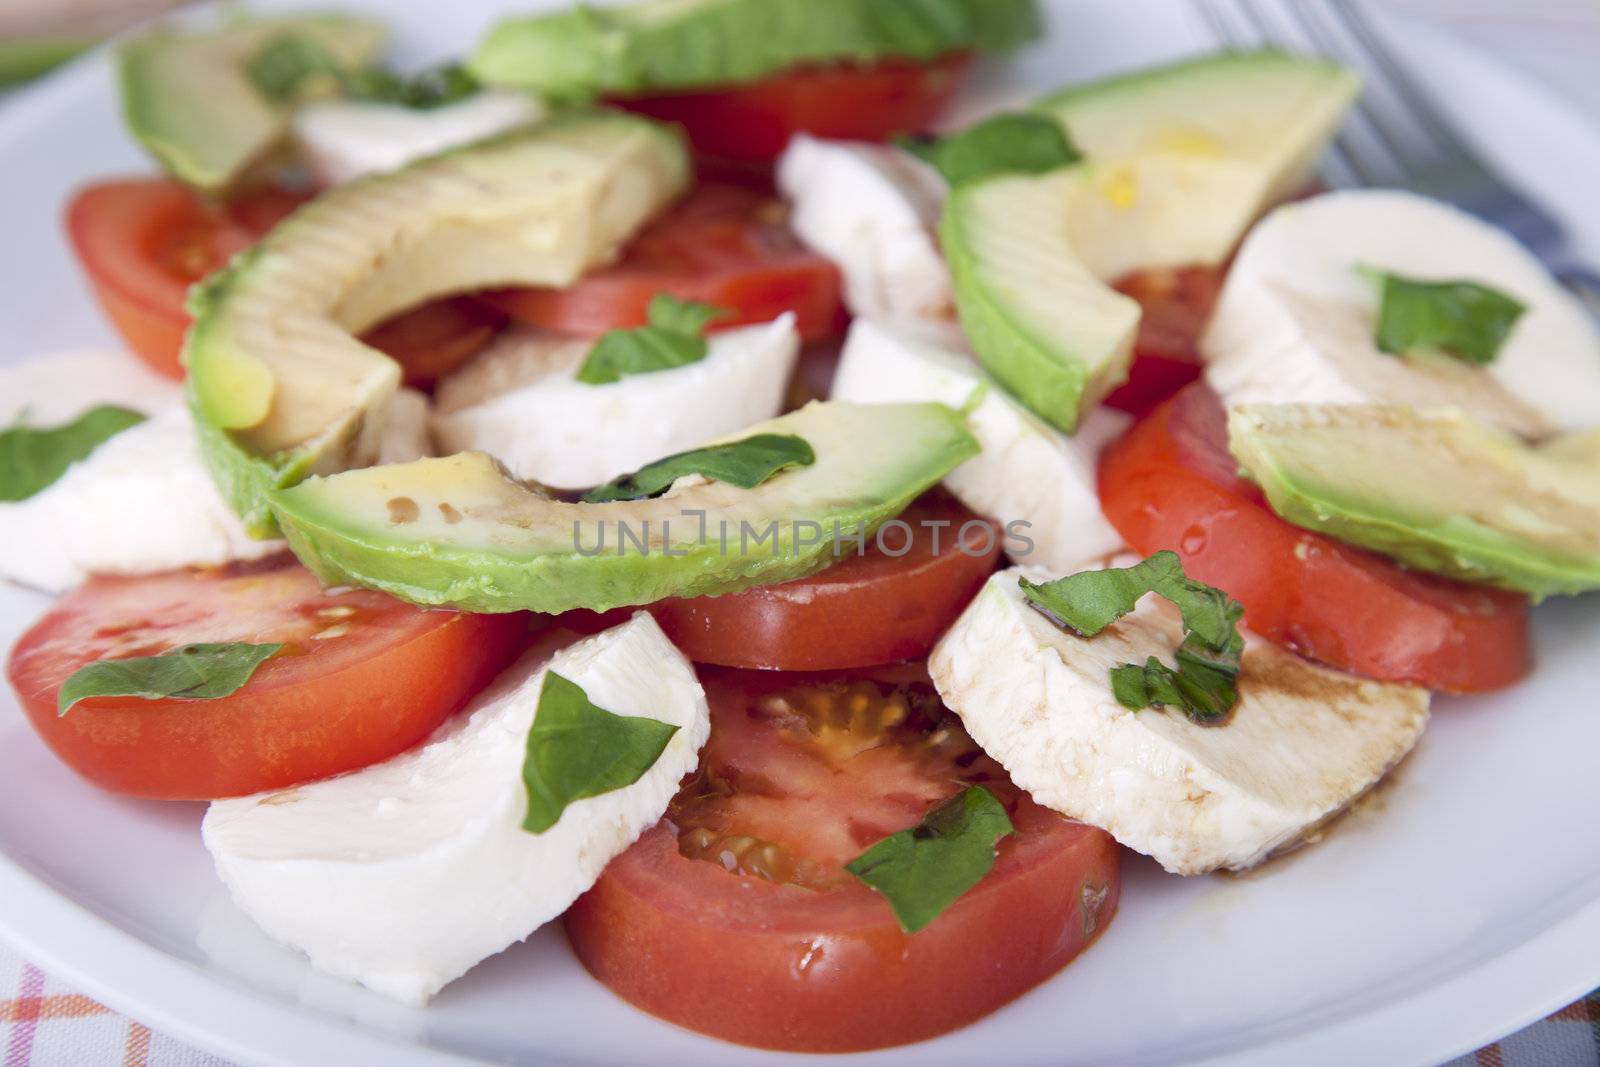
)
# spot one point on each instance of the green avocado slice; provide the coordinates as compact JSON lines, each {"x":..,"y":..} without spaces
{"x":189,"y":100}
{"x":660,"y":45}
{"x":1436,"y":490}
{"x":460,"y":532}
{"x":280,"y":386}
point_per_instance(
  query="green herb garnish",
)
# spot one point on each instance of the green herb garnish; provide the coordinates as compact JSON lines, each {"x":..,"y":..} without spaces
{"x":282,"y":67}
{"x":578,"y":750}
{"x":32,"y":460}
{"x":1462,"y":319}
{"x":673,"y":338}
{"x":745,"y":463}
{"x":1205,"y":683}
{"x":189,"y":672}
{"x":1019,"y":143}
{"x":924,"y":870}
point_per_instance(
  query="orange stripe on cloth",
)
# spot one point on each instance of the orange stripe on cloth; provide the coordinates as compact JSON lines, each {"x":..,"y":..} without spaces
{"x":137,"y":1051}
{"x":65,"y":1006}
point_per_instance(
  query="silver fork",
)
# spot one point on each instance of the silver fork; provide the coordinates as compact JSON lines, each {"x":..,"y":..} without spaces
{"x":1396,"y":137}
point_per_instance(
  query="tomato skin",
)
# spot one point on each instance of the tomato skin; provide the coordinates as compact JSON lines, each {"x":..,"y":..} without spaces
{"x":1172,"y":484}
{"x":328,"y":707}
{"x":144,"y":241}
{"x":827,"y":968}
{"x":725,"y":245}
{"x":1177,"y":304}
{"x":868,"y":609}
{"x":431,"y":341}
{"x":847,"y":101}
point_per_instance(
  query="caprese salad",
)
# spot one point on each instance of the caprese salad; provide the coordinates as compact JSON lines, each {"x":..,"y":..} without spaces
{"x":573,"y":484}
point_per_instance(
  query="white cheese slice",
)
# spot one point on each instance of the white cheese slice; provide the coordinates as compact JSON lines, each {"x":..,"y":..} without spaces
{"x":1296,"y":323}
{"x":404,"y":875}
{"x":1028,"y":472}
{"x":1302,"y":744}
{"x":872,"y":210}
{"x":347,"y":139}
{"x":49,"y":390}
{"x":520,"y":401}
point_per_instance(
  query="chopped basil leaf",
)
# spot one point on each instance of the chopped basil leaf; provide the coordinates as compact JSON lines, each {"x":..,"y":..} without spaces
{"x":188,"y":672}
{"x":577,"y":750}
{"x":1204,"y":685}
{"x":281,"y":68}
{"x":428,"y":89}
{"x":924,"y":870}
{"x":1463,"y":319}
{"x":673,"y":338}
{"x":745,"y":463}
{"x":1006,"y":144}
{"x":31,"y":460}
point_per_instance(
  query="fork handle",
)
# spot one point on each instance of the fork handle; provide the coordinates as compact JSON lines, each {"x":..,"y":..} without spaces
{"x":1585,"y":283}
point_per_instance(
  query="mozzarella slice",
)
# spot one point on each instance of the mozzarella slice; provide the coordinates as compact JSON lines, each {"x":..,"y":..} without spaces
{"x":405,"y":435}
{"x":347,"y":139}
{"x":404,"y":875}
{"x":1301,"y":745}
{"x":1028,"y":472}
{"x":520,"y":401}
{"x":1296,"y":323}
{"x":872,"y":210}
{"x":54,"y":389}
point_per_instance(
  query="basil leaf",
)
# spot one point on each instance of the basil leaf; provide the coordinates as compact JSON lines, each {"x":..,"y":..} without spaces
{"x":1463,"y":319}
{"x":31,"y":460}
{"x":577,"y":750}
{"x":673,"y":338}
{"x":1204,"y":684}
{"x":924,"y":870}
{"x":188,"y":672}
{"x":745,"y":463}
{"x":281,"y":67}
{"x":424,"y":91}
{"x":1019,"y":143}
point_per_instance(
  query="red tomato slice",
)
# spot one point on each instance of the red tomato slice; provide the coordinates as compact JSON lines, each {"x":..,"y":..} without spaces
{"x":726,"y":245}
{"x":735,"y":918}
{"x":144,"y":241}
{"x":361,"y":678}
{"x":1172,"y":484}
{"x":850,"y":101}
{"x":869,"y":608}
{"x":1177,"y":305}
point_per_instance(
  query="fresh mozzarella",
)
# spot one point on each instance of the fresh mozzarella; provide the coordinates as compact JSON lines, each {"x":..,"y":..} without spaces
{"x":406,"y":874}
{"x":405,"y":435}
{"x":520,"y":401}
{"x":1301,"y":745}
{"x":1028,"y":472}
{"x":1296,"y":322}
{"x":347,"y":139}
{"x":57,"y":388}
{"x":872,"y":210}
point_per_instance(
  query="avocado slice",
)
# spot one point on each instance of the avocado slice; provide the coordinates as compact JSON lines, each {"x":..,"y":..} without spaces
{"x":682,"y":44}
{"x":1179,"y":161}
{"x":280,"y":386}
{"x":1436,"y":490}
{"x":189,"y":100}
{"x":461,"y":532}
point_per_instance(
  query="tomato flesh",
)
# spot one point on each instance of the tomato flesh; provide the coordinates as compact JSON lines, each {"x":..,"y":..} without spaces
{"x":869,"y":608}
{"x":846,"y":101}
{"x":735,"y":918}
{"x":1172,"y":484}
{"x":361,"y":678}
{"x":727,"y":245}
{"x":432,"y":340}
{"x":1176,"y":306}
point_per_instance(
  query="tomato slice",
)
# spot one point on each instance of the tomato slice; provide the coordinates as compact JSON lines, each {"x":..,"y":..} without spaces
{"x":1177,"y":304}
{"x":726,"y":245}
{"x":735,"y":918}
{"x":848,"y":101}
{"x":870,"y":608}
{"x":362,"y":677}
{"x":144,"y":241}
{"x":1172,"y":484}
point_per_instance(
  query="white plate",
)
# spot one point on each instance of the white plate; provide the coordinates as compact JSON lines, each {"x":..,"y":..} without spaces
{"x":1465,"y":905}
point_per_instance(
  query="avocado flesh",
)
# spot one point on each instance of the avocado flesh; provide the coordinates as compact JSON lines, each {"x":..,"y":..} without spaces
{"x":460,"y":532}
{"x":1436,"y":490}
{"x":1179,"y":162}
{"x":280,"y":386}
{"x":683,"y":44}
{"x":189,"y":100}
